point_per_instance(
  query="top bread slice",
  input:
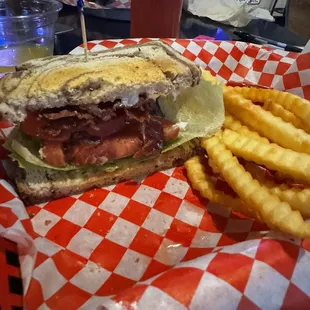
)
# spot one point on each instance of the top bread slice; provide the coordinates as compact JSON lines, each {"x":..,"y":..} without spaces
{"x":153,"y":69}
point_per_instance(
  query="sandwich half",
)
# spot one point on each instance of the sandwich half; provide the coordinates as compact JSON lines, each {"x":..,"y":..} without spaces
{"x":123,"y":114}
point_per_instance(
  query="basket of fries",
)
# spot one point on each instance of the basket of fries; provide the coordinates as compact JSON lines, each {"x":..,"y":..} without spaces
{"x":229,"y":230}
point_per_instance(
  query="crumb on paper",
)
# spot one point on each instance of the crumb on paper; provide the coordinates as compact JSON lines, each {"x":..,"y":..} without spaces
{"x":94,"y":268}
{"x":91,"y":195}
{"x":137,"y":260}
{"x":111,"y":218}
{"x":31,"y":214}
{"x":47,"y":222}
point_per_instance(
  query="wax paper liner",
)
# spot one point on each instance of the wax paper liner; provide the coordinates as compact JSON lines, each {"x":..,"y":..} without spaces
{"x":118,"y":4}
{"x":159,"y":245}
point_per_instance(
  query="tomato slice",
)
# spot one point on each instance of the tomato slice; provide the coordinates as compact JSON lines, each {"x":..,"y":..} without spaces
{"x":54,"y":154}
{"x":112,"y":148}
{"x":32,"y":125}
{"x":170,"y":130}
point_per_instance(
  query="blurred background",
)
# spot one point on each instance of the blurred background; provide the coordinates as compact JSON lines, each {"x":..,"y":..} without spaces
{"x":279,"y":20}
{"x":299,"y":17}
{"x":36,"y":28}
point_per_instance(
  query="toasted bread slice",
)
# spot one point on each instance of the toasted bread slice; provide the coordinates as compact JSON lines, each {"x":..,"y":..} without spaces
{"x":37,"y":185}
{"x":153,"y":69}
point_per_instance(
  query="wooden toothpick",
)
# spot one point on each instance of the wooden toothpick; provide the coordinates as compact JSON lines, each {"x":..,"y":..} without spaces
{"x":80,"y":4}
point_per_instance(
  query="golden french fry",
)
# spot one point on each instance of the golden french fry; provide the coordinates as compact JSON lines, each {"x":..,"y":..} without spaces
{"x":234,"y":124}
{"x":275,"y":213}
{"x":259,"y":173}
{"x":265,"y":123}
{"x":202,"y":183}
{"x":293,"y":103}
{"x":277,"y":110}
{"x":272,"y":156}
{"x":214,"y":168}
{"x":282,"y":177}
{"x":285,"y":178}
{"x":299,"y":199}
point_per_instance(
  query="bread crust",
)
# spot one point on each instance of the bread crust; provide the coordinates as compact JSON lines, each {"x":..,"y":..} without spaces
{"x":38,"y":186}
{"x":153,"y":69}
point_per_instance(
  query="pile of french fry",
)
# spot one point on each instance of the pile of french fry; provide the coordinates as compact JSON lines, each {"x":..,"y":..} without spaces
{"x":269,"y":128}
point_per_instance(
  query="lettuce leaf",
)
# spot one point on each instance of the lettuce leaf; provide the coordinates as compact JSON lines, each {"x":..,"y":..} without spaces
{"x":200,"y":107}
{"x":26,"y":151}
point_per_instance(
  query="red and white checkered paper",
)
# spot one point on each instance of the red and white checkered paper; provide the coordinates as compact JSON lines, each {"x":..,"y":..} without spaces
{"x":158,"y":245}
{"x":118,"y":4}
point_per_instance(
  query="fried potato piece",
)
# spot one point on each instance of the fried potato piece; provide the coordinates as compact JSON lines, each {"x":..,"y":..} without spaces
{"x":281,"y":177}
{"x":289,"y":117}
{"x":299,"y":106}
{"x":274,"y":212}
{"x":202,"y":183}
{"x":272,"y":156}
{"x":299,"y":199}
{"x":233,"y":124}
{"x":265,"y":123}
{"x":214,"y":168}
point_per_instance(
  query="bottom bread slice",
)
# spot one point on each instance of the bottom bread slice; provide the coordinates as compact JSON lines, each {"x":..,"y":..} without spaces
{"x":39,"y":185}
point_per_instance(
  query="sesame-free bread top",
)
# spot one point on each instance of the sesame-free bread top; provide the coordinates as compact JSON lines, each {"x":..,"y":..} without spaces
{"x":153,"y":69}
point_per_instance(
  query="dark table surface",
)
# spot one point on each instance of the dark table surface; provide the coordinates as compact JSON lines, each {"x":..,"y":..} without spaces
{"x":191,"y":26}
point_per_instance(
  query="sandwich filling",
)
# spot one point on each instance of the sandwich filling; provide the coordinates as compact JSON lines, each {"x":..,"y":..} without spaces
{"x":96,"y":134}
{"x":107,"y":136}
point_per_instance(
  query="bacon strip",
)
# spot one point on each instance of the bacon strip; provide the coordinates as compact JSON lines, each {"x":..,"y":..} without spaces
{"x":65,"y":114}
{"x":87,"y":152}
{"x":79,"y":138}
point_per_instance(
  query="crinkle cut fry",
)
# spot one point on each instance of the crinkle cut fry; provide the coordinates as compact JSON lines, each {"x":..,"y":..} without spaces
{"x":214,"y":168}
{"x":275,"y":213}
{"x":289,"y":117}
{"x":202,"y":183}
{"x":293,"y":103}
{"x":272,"y":156}
{"x":265,"y":123}
{"x":299,"y":199}
{"x":234,"y":124}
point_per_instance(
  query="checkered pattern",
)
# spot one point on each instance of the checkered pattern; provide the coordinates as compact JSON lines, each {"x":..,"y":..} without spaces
{"x":10,"y":278}
{"x":296,"y":78}
{"x":119,"y":4}
{"x":158,"y":244}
